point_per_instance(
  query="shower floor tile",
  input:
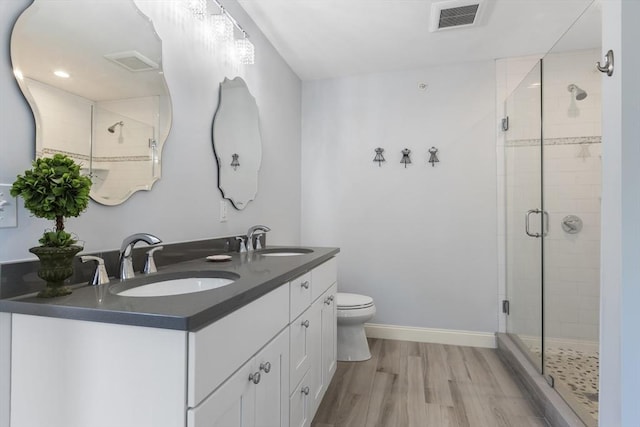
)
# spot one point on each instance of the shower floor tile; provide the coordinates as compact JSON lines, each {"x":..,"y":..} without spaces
{"x":577,"y":370}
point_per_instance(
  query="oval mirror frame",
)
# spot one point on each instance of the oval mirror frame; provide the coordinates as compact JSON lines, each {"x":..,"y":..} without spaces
{"x":111,"y":111}
{"x":237,"y":143}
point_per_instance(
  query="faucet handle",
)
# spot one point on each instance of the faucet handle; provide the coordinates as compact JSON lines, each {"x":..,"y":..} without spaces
{"x":100,"y":276}
{"x":243,"y":248}
{"x":150,"y":263}
{"x":258,"y":244}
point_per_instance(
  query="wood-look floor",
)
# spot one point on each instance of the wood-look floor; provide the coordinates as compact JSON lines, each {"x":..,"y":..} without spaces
{"x":407,"y":384}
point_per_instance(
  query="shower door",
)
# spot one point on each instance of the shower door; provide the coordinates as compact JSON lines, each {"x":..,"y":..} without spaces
{"x":552,"y":205}
{"x":524,"y":218}
{"x":572,"y":187}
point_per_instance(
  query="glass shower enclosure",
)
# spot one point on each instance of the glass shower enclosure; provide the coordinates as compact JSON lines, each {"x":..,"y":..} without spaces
{"x":552,"y":199}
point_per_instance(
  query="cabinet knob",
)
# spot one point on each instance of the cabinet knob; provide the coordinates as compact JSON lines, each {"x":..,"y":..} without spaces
{"x":305,"y":323}
{"x":327,"y":301}
{"x":266,"y":367}
{"x":305,"y":391}
{"x":331,"y":297}
{"x":305,"y":284}
{"x":255,"y":377}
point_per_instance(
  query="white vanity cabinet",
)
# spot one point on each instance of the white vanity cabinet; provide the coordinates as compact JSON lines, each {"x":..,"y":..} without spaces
{"x":313,"y":347}
{"x":266,"y":364}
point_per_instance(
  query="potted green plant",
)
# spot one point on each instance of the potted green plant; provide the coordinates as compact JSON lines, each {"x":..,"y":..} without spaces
{"x":54,"y":189}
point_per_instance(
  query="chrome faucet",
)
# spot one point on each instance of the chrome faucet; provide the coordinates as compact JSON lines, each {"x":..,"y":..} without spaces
{"x":126,"y":252}
{"x":256,"y":229}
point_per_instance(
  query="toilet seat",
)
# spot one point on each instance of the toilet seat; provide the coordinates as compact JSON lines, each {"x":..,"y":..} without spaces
{"x":347,"y":301}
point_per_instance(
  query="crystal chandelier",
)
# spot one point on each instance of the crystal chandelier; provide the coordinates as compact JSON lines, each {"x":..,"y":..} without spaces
{"x":245,"y":50}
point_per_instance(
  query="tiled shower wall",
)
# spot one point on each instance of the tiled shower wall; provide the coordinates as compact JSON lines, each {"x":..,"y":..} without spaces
{"x":572,"y":186}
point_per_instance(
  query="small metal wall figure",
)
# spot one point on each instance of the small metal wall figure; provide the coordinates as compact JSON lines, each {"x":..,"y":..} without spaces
{"x":379,"y":157}
{"x":433,"y":157}
{"x":234,"y":162}
{"x":406,"y":160}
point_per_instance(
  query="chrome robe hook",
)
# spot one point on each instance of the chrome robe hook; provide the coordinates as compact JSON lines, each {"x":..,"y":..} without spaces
{"x":608,"y":64}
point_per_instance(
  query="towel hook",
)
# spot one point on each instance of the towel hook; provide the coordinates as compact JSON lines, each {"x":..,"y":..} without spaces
{"x":608,"y":64}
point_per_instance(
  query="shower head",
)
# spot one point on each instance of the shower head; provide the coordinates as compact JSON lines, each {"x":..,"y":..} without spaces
{"x":577,"y":92}
{"x":112,"y":128}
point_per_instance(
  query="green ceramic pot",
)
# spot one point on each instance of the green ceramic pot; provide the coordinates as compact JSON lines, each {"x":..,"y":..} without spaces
{"x":56,"y":265}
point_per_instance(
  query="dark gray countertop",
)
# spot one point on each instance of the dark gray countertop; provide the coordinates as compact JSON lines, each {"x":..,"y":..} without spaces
{"x":258,"y":275}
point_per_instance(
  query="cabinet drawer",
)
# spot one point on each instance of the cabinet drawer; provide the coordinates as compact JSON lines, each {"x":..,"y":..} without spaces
{"x":304,"y":342}
{"x":322,"y":277}
{"x":216,"y":351}
{"x":300,"y":295}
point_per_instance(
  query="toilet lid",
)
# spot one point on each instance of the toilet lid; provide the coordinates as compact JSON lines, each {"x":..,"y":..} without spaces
{"x":346,"y":300}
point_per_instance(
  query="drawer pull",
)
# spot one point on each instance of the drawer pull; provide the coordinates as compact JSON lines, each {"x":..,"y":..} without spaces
{"x":305,"y":284}
{"x":255,"y":377}
{"x":327,"y":301}
{"x":305,"y":323}
{"x":266,"y":367}
{"x":305,"y":391}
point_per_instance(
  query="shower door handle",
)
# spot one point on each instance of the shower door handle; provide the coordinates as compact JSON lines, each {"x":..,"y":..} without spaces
{"x":526,"y":222}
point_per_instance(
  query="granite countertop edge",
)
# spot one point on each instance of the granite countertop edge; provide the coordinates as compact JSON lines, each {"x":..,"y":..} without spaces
{"x":188,"y":312}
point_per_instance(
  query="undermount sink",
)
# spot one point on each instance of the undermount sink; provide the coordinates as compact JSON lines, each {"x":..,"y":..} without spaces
{"x":177,"y":286}
{"x":284,"y":251}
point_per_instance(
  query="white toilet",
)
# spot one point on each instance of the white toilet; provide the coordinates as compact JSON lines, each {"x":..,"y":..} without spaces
{"x":353,"y":311}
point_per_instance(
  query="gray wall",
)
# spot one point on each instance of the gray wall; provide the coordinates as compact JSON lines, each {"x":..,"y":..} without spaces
{"x":184,"y":204}
{"x":620,"y":293}
{"x":420,"y":240}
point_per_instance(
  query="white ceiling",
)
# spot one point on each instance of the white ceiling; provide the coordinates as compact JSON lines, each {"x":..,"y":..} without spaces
{"x":322,"y":39}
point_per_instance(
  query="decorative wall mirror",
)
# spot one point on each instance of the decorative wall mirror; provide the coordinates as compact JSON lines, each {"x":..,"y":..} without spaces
{"x":92,"y":74}
{"x":237,"y":143}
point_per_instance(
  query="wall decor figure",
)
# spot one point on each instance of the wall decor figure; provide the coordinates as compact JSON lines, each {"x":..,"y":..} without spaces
{"x":406,"y":160}
{"x":379,"y":157}
{"x":433,"y":156}
{"x":234,"y":161}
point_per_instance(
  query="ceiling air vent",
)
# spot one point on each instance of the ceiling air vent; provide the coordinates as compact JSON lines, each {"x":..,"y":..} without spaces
{"x":132,"y":60}
{"x":453,"y":14}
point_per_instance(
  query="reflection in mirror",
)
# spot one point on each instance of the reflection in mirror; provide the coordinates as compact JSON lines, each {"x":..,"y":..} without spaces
{"x":237,"y":143}
{"x":92,"y":74}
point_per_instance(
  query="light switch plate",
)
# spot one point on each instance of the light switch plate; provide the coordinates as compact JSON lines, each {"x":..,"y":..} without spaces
{"x":8,"y":208}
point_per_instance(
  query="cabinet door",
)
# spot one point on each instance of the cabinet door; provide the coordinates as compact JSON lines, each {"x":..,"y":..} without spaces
{"x":300,"y":404}
{"x":272,"y":392}
{"x":300,"y":349}
{"x":323,"y":347}
{"x":232,"y":405}
{"x":315,"y":378}
{"x":329,"y":334}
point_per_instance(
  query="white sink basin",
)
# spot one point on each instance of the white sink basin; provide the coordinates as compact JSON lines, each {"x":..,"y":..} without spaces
{"x":176,"y":287}
{"x":285,"y":252}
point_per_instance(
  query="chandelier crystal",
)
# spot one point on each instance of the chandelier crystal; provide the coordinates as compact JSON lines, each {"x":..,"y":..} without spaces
{"x":245,"y":51}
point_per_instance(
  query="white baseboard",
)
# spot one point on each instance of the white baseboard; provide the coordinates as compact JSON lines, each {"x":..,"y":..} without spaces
{"x":438,"y":336}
